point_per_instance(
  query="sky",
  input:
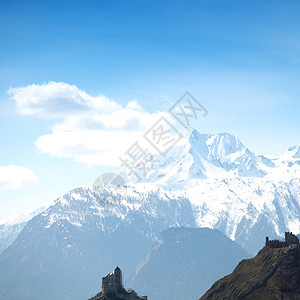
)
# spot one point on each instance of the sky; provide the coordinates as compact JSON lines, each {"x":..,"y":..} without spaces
{"x":81,"y":80}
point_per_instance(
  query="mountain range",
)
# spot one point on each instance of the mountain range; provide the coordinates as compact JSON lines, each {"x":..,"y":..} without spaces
{"x":244,"y":195}
{"x":76,"y":241}
{"x":205,"y":180}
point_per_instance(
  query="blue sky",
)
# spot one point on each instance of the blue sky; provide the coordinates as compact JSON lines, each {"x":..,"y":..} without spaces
{"x":240,"y":59}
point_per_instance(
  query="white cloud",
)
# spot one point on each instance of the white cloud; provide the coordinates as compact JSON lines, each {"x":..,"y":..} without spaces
{"x":15,"y":177}
{"x":91,"y":130}
{"x":58,"y":99}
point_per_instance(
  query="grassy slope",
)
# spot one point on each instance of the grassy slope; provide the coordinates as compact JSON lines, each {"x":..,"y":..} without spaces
{"x":272,"y":274}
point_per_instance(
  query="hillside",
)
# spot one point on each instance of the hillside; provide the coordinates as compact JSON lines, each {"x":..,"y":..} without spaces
{"x":273,"y":274}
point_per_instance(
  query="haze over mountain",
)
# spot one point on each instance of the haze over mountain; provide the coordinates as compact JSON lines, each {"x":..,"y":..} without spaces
{"x":205,"y":181}
{"x":185,"y":262}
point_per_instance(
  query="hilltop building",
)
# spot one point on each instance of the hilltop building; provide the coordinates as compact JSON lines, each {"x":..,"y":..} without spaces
{"x":290,"y":239}
{"x":112,"y":288}
{"x":112,"y":282}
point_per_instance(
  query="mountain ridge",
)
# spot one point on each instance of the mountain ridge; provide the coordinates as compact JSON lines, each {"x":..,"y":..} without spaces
{"x":95,"y":232}
{"x":11,"y":227}
{"x":204,"y":168}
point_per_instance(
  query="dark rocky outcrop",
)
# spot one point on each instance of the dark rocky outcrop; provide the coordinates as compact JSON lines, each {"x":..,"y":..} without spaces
{"x":121,"y":295}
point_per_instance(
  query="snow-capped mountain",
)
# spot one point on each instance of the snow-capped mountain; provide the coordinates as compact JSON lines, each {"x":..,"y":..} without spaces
{"x":76,"y":241}
{"x":230,"y":188}
{"x":204,"y":181}
{"x":12,"y":226}
{"x":204,"y":156}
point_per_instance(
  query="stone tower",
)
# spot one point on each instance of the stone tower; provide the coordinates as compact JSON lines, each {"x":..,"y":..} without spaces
{"x":112,"y":282}
{"x":291,"y":239}
{"x":118,"y":275}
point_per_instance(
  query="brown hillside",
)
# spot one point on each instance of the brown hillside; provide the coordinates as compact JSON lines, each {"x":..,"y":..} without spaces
{"x":273,"y":274}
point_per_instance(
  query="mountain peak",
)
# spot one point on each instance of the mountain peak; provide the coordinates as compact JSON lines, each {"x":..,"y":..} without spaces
{"x":203,"y":156}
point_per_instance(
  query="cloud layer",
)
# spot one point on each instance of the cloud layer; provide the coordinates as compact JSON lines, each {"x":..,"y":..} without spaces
{"x":91,"y":129}
{"x":15,"y":177}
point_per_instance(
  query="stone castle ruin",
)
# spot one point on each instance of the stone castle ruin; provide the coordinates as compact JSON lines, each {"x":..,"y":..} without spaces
{"x":112,"y":288}
{"x":290,"y":239}
{"x":112,"y":282}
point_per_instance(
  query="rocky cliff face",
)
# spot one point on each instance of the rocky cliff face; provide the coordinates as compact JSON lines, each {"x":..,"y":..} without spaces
{"x":273,"y":274}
